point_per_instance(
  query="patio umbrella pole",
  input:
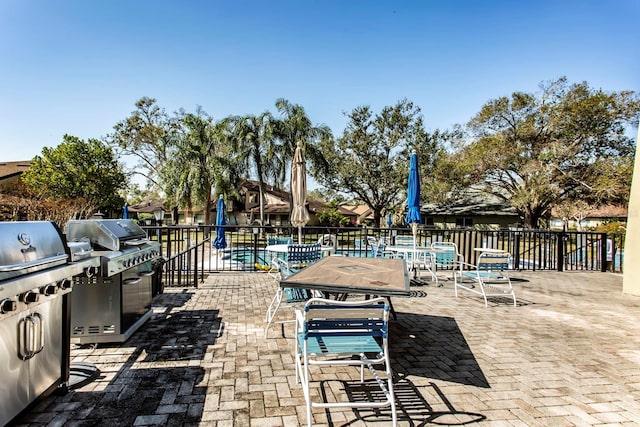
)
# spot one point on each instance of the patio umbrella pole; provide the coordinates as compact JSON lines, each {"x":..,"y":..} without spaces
{"x":413,"y":216}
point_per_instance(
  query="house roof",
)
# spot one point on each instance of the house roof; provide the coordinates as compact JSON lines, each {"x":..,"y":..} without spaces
{"x":358,"y":209}
{"x":609,"y":211}
{"x":146,"y":207}
{"x":314,"y":206}
{"x":476,"y":204}
{"x":9,"y":169}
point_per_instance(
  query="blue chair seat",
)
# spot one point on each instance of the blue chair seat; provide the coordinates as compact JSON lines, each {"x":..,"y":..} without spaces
{"x":328,"y":344}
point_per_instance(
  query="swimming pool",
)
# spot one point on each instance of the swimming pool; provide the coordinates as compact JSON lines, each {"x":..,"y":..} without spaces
{"x":245,"y":255}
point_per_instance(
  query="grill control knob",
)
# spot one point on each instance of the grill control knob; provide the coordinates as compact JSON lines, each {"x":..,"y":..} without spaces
{"x":64,"y":284}
{"x":30,"y":296}
{"x":90,"y":271}
{"x":7,"y":305}
{"x":48,"y":290}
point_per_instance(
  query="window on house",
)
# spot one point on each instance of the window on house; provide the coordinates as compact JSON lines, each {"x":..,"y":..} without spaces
{"x":428,"y":222}
{"x":464,"y":222}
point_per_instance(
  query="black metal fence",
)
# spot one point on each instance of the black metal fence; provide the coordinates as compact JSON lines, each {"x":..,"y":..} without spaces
{"x":190,"y":256}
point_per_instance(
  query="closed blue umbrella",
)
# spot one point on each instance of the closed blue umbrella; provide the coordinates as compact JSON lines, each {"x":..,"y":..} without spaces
{"x":413,"y":216}
{"x":125,"y":211}
{"x":389,"y":220}
{"x":220,"y":242}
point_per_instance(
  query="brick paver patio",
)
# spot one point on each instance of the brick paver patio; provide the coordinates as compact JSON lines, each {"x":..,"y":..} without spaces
{"x":568,"y":354}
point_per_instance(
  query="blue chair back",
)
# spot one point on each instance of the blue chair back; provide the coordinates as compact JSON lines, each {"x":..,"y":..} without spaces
{"x":307,"y":254}
{"x":404,"y":241}
{"x":493,"y":262}
{"x":324,"y":318}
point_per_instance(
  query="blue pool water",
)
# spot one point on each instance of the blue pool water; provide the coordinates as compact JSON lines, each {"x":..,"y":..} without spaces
{"x":245,"y":254}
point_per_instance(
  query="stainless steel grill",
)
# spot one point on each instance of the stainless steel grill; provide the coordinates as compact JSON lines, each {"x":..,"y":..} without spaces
{"x":111,"y":306}
{"x":36,"y":279}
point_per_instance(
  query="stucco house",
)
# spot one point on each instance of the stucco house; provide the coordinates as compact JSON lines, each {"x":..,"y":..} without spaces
{"x":277,"y":206}
{"x":472,"y":210}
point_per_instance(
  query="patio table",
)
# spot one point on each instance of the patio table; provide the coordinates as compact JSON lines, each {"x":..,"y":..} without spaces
{"x":353,"y":275}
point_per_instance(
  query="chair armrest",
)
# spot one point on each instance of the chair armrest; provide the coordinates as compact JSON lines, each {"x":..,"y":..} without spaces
{"x":466,"y":264}
{"x":299,"y":318}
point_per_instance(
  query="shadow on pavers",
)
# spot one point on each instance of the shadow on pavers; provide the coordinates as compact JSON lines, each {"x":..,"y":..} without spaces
{"x":141,"y":392}
{"x":410,"y":404}
{"x":433,"y":347}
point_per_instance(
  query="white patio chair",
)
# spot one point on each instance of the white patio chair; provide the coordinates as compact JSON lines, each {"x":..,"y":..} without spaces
{"x":488,"y":278}
{"x":330,"y":332}
{"x":404,"y":241}
{"x":447,"y":257}
{"x":377,"y":248}
{"x":329,"y":244}
{"x":420,"y":261}
{"x":298,"y":257}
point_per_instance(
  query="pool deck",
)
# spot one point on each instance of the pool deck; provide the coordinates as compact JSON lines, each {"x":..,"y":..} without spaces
{"x":567,"y":355}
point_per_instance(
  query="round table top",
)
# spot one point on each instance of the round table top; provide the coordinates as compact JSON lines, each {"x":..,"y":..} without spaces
{"x":284,"y":248}
{"x":413,"y":249}
{"x":280,"y":247}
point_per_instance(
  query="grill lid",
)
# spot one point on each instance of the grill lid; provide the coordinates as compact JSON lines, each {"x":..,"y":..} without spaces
{"x":110,"y":234}
{"x":29,"y":246}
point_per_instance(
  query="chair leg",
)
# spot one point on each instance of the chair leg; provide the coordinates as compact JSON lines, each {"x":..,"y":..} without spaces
{"x":307,"y":392}
{"x":273,"y":309}
{"x":392,"y":397}
{"x":484,"y":294}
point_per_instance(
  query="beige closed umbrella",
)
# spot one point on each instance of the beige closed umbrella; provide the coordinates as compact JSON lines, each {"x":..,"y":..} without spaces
{"x":299,"y":213}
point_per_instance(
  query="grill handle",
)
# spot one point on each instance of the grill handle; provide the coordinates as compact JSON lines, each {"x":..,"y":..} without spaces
{"x":146,"y":273}
{"x":131,"y":281}
{"x":34,"y":263}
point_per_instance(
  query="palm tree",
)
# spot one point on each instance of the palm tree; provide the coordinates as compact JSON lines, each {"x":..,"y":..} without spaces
{"x":195,"y":169}
{"x":295,"y":127}
{"x":255,"y":149}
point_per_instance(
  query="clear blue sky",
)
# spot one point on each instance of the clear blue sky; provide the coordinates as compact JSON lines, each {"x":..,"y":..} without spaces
{"x":78,"y":66}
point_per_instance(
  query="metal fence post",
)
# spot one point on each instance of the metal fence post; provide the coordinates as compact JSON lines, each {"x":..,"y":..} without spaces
{"x":255,"y":231}
{"x":603,"y":252}
{"x":560,"y":250}
{"x":516,"y":250}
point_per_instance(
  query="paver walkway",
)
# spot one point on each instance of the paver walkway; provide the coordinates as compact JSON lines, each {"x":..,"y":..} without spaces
{"x":568,"y":354}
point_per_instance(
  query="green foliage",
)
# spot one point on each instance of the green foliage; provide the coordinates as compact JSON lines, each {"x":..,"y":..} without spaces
{"x":255,"y":148}
{"x":196,"y":167}
{"x":76,"y":169}
{"x":371,"y":159}
{"x":148,"y":135}
{"x":612,"y":226}
{"x":331,"y":216}
{"x":535,"y":151}
{"x":293,"y":127}
{"x":326,"y":195}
